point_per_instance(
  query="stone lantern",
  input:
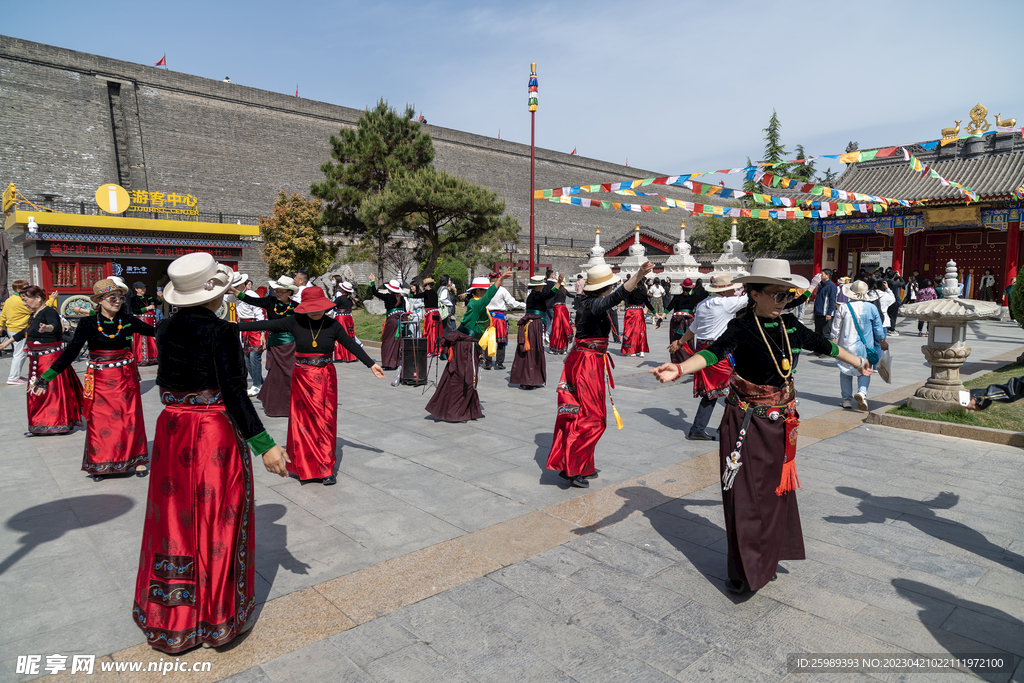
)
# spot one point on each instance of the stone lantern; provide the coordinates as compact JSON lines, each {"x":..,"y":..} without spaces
{"x":946,"y":350}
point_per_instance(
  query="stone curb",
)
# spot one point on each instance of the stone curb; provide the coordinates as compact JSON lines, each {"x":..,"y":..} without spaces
{"x":1002,"y":437}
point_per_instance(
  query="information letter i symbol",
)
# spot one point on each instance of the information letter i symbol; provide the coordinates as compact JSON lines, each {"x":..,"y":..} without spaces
{"x":112,"y":196}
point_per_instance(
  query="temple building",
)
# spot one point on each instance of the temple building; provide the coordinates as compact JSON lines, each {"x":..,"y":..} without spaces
{"x":944,"y":224}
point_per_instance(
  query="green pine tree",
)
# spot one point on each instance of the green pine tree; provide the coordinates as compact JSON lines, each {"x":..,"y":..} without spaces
{"x":804,"y":172}
{"x":366,"y":158}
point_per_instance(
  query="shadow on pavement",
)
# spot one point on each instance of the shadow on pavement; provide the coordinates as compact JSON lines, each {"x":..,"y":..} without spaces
{"x":667,"y":418}
{"x":38,"y":526}
{"x":272,"y":542}
{"x":921,"y":516}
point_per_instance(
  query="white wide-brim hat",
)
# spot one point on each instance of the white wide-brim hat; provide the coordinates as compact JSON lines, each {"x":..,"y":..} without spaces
{"x":856,"y":291}
{"x":284,"y":282}
{"x":347,"y":287}
{"x":196,"y":279}
{"x":394,"y":286}
{"x":599,"y":277}
{"x":480,"y":283}
{"x":722,"y":282}
{"x":238,"y":279}
{"x":772,"y":271}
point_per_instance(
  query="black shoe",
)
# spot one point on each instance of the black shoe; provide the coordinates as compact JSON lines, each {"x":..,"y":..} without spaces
{"x":579,"y":482}
{"x":143,"y":473}
{"x":774,"y":576}
{"x":499,"y":366}
{"x":563,"y":475}
{"x":590,"y":476}
{"x":737,"y":587}
{"x":98,"y":477}
{"x":487,"y":366}
{"x":700,"y":436}
{"x":330,"y":481}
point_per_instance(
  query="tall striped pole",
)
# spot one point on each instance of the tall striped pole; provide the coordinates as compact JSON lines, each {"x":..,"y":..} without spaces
{"x":533,"y":130}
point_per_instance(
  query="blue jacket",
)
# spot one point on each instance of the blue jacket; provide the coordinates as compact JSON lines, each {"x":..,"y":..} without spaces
{"x":825,"y":302}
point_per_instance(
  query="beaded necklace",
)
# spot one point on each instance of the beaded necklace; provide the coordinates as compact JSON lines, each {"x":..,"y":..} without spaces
{"x":99,"y":326}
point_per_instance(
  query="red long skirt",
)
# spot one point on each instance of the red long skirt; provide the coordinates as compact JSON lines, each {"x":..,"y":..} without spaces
{"x":761,"y":526}
{"x":529,"y":367}
{"x":196,"y":567}
{"x":390,"y":344}
{"x":712,"y":382}
{"x":561,"y":329}
{"x":342,"y":354}
{"x":275,"y":394}
{"x":59,"y":410}
{"x":581,"y":410}
{"x":115,"y":439}
{"x":634,"y":331}
{"x":432,"y":331}
{"x":313,"y":421}
{"x":143,"y":347}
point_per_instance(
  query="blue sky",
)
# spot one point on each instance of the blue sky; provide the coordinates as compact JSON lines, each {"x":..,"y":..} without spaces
{"x":675,"y":87}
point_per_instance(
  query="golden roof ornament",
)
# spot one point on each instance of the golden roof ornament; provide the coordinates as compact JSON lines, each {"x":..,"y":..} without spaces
{"x":1005,"y":123}
{"x":978,"y":123}
{"x":951,"y":133}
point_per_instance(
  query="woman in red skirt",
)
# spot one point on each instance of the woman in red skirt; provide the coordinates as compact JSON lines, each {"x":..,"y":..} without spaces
{"x":344,"y":302}
{"x":280,"y":346}
{"x":634,"y":324}
{"x":59,"y":410}
{"x":115,"y":440}
{"x":144,"y":306}
{"x":581,"y":409}
{"x":313,"y":419}
{"x":431,"y":316}
{"x":561,"y":327}
{"x":196,"y":577}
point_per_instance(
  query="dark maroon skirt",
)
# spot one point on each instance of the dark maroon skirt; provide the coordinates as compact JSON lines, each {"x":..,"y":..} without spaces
{"x":677,"y":327}
{"x":196,"y":569}
{"x":456,"y":399}
{"x":529,"y":368}
{"x":276,"y":392}
{"x":761,"y":526}
{"x":390,"y":344}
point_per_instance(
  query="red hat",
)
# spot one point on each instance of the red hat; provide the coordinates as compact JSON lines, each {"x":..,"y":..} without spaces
{"x":313,"y":299}
{"x":687,"y":283}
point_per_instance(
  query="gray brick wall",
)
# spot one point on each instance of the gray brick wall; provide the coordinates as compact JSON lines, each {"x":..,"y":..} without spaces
{"x":235,"y":147}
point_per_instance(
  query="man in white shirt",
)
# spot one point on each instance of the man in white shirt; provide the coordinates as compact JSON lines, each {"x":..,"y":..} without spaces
{"x":499,"y":321}
{"x":252,"y":342}
{"x":302,"y":281}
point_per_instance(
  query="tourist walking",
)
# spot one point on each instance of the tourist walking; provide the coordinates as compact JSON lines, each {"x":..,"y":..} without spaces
{"x":274,"y":393}
{"x":197,"y":567}
{"x":759,"y":428}
{"x":529,"y":367}
{"x":313,"y":414}
{"x":657,"y":294}
{"x":986,"y":291}
{"x":115,"y":437}
{"x":455,"y":399}
{"x":925,"y":293}
{"x":857,"y":328}
{"x":824,"y":302}
{"x":582,"y":414}
{"x":59,"y":410}
{"x":394,"y":308}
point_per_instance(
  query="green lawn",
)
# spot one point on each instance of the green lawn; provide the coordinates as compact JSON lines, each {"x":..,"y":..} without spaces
{"x":997,"y":416}
{"x":368,"y":326}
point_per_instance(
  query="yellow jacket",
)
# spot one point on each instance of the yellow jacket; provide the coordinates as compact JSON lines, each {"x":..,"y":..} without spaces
{"x":15,"y":314}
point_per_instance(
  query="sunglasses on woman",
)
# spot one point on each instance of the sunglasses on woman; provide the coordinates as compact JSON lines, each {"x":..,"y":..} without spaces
{"x":783,"y":297}
{"x":114,"y":298}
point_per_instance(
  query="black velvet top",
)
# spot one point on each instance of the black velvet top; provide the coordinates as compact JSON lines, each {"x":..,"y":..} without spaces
{"x":342,"y":301}
{"x":44,"y":316}
{"x":391,"y":300}
{"x":539,"y":300}
{"x":138,"y":303}
{"x":328,"y":331}
{"x":88,"y":332}
{"x":429,"y":297}
{"x":561,"y":293}
{"x":592,"y":320}
{"x":638,"y":297}
{"x":197,"y":350}
{"x":687,"y":300}
{"x":275,"y":309}
{"x":753,"y":361}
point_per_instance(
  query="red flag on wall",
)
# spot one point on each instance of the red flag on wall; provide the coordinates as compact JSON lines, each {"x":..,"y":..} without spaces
{"x":572,"y":152}
{"x":162,"y":62}
{"x":296,"y":90}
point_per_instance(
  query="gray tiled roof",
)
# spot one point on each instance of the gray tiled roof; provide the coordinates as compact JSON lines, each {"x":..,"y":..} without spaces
{"x":991,"y":165}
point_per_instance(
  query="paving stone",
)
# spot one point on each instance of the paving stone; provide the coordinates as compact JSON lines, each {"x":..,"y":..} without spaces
{"x":416,"y":663}
{"x":372,"y":640}
{"x":823,"y":636}
{"x":924,"y":561}
{"x":452,"y":632}
{"x":1002,"y":581}
{"x":715,"y":667}
{"x":480,"y":595}
{"x":711,"y":592}
{"x":999,"y":633}
{"x":884,"y":595}
{"x":641,"y":637}
{"x":562,"y":561}
{"x":630,"y":591}
{"x":858,"y":563}
{"x":516,"y":665}
{"x":314,"y":663}
{"x":613,"y":666}
{"x":558,"y":595}
{"x":254,"y":675}
{"x":623,"y":556}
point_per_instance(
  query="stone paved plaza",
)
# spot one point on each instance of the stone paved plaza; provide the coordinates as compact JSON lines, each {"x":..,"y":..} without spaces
{"x":448,"y":553}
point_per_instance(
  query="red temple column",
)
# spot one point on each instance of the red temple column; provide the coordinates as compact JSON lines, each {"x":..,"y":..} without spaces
{"x":1012,"y":247}
{"x":819,"y":240}
{"x":897,"y":251}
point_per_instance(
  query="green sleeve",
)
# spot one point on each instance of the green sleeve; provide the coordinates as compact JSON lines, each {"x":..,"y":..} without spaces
{"x":708,"y":356}
{"x":261,"y":443}
{"x":835,"y":349}
{"x":49,"y":376}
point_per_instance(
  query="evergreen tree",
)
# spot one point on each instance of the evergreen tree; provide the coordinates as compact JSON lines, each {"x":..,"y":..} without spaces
{"x":828,"y":177}
{"x":447,"y":214}
{"x":366,"y":158}
{"x":804,"y":172}
{"x":293,"y":238}
{"x":774,"y":152}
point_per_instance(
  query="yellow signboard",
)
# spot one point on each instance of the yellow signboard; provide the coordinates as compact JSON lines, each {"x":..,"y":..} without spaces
{"x":113,"y":198}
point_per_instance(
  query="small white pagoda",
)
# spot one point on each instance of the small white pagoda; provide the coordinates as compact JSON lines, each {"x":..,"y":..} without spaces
{"x":681,"y":264}
{"x":732,"y":259}
{"x":637,"y":254}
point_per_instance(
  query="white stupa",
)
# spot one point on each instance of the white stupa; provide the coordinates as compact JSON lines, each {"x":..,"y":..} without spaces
{"x":681,"y":264}
{"x":637,"y":254}
{"x":732,"y":259}
{"x":596,"y":252}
